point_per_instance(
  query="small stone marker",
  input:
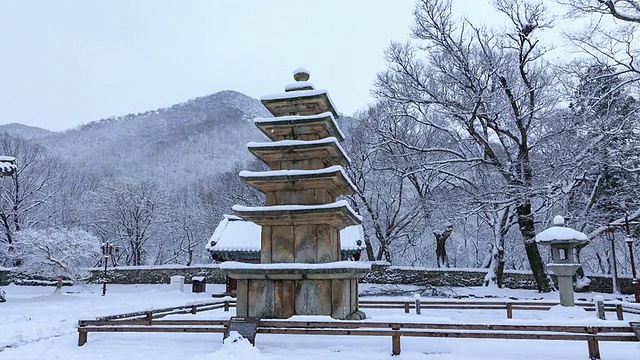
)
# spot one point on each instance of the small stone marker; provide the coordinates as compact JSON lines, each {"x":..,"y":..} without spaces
{"x":599,"y":307}
{"x":177,"y":283}
{"x":635,"y":326}
{"x":245,"y":326}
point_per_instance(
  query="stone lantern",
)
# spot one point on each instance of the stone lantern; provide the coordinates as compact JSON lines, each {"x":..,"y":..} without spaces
{"x":562,"y":241}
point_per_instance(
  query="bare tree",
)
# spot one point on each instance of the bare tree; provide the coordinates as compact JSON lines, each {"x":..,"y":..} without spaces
{"x":488,"y":91}
{"x":65,"y":253}
{"x":391,"y":193}
{"x":624,"y":10}
{"x":131,"y":213}
{"x":29,"y":195}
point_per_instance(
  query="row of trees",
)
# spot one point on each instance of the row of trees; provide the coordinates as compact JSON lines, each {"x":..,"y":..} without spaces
{"x":47,"y":201}
{"x":476,"y":141}
{"x":477,"y":134}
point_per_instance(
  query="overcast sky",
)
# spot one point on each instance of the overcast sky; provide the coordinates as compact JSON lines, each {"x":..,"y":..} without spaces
{"x":65,"y":63}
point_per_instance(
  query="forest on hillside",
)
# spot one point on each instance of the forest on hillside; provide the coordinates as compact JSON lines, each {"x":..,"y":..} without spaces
{"x":476,"y":141}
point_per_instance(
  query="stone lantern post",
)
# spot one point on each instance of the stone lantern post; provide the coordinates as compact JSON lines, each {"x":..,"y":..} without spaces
{"x":562,"y":241}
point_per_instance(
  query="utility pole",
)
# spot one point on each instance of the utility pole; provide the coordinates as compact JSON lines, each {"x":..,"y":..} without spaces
{"x":614,"y":266}
{"x":629,"y":240}
{"x":107,"y":248}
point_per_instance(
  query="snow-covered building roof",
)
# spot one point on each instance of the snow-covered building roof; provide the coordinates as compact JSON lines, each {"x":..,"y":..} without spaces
{"x":7,"y":165}
{"x":238,"y":235}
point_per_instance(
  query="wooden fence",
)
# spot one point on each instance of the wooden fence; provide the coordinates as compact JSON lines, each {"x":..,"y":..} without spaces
{"x":508,"y":306}
{"x":150,"y":321}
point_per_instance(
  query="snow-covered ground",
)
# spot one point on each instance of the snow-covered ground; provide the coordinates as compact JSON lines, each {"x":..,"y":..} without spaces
{"x":37,"y":325}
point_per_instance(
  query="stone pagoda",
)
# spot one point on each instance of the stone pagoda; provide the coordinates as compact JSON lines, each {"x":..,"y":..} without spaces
{"x":300,"y":272}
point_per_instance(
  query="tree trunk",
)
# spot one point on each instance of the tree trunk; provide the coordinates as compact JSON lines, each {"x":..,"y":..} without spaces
{"x":496,"y":268}
{"x":582,"y":282}
{"x":369,"y":248}
{"x":189,"y":257}
{"x":441,"y":251}
{"x":58,"y":289}
{"x":527,"y":229}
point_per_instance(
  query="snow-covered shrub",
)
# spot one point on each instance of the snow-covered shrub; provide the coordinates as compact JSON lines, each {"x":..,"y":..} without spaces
{"x":57,"y":252}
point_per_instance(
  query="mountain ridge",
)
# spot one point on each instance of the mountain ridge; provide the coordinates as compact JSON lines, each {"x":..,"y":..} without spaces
{"x":180,"y":143}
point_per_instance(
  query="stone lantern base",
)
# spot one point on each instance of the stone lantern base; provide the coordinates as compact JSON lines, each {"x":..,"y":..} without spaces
{"x":565,"y":272}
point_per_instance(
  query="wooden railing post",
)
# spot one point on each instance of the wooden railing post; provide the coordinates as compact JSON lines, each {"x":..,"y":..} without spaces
{"x":509,"y":310}
{"x":592,"y":344}
{"x":406,"y":307}
{"x":594,"y":348}
{"x":149,"y":317}
{"x":619,"y":312}
{"x":82,"y":336}
{"x":226,"y":305}
{"x":194,"y":309}
{"x":395,"y":341}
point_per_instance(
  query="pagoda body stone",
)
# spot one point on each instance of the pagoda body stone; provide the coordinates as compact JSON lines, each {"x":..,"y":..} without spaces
{"x":300,"y":272}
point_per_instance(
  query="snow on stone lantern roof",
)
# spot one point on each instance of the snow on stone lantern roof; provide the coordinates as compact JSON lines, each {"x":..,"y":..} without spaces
{"x":560,"y":234}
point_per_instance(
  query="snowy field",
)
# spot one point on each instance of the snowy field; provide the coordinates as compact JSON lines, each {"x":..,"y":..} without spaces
{"x":37,"y":325}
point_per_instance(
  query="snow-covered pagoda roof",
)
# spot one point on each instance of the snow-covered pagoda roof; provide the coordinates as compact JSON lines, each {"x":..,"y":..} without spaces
{"x":332,"y":178}
{"x":236,"y":234}
{"x":300,"y":149}
{"x":274,"y":126}
{"x":299,"y":98}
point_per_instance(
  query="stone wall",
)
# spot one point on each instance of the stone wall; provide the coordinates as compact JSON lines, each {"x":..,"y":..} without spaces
{"x":158,"y":274}
{"x":380,"y":274}
{"x":124,"y":275}
{"x":384,"y":274}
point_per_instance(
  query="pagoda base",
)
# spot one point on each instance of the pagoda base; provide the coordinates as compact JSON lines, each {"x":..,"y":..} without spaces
{"x":279,"y":291}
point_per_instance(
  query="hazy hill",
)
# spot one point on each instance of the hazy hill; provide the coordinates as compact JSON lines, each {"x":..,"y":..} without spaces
{"x":25,"y":131}
{"x":177,"y":144}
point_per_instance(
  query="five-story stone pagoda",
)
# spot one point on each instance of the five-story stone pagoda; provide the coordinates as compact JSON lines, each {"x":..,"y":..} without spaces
{"x":300,"y":271}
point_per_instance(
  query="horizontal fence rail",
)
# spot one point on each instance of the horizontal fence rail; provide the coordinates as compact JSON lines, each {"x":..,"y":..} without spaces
{"x":151,"y":321}
{"x":508,"y":306}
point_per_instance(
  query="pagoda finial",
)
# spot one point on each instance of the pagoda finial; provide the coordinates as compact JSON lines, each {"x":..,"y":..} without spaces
{"x":301,"y":74}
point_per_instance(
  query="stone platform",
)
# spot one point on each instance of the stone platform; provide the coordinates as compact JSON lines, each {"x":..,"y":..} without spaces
{"x":287,"y":289}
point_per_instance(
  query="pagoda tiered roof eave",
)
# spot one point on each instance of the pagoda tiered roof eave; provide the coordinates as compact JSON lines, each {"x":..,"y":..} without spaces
{"x":300,"y":150}
{"x":270,"y":126}
{"x":337,"y":214}
{"x":333,"y":178}
{"x":299,"y":102}
{"x":297,"y":271}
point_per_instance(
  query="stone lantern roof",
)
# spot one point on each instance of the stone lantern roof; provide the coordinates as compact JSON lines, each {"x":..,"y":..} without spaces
{"x":560,"y":234}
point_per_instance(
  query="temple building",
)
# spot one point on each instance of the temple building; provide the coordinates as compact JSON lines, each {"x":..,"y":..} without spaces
{"x":237,"y":240}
